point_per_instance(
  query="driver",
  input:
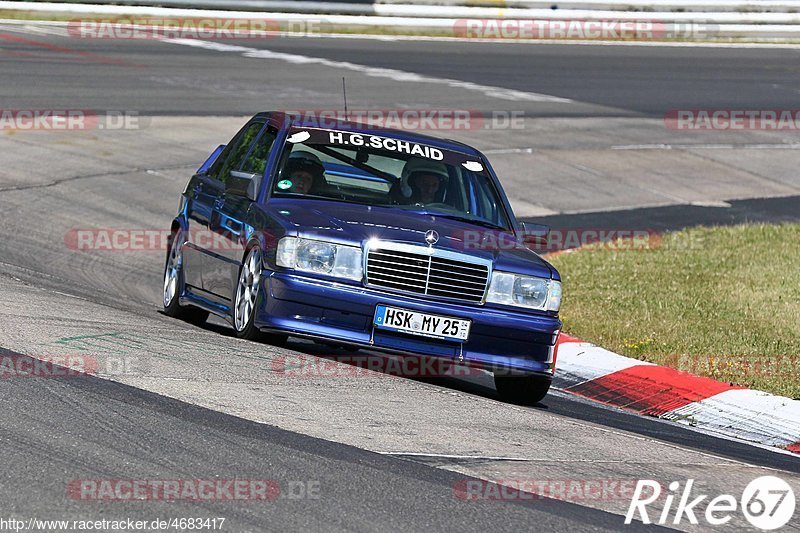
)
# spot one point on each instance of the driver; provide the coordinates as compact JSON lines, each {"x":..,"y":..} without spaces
{"x":425,"y":178}
{"x":304,"y":171}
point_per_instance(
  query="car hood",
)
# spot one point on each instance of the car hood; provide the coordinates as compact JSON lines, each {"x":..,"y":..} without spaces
{"x":356,"y":223}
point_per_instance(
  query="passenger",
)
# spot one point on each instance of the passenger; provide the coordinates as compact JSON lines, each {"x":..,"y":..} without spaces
{"x":305,"y":173}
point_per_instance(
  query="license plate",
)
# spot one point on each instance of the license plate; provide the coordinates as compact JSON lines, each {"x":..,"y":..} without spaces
{"x":422,"y":324}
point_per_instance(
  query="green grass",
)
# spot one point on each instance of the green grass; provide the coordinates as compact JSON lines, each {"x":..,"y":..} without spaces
{"x":722,"y":302}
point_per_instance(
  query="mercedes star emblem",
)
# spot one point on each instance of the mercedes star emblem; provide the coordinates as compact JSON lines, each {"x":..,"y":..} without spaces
{"x":431,"y":237}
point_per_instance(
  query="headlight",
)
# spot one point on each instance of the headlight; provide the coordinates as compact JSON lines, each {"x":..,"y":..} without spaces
{"x":315,"y":256}
{"x":320,"y":257}
{"x":524,"y":291}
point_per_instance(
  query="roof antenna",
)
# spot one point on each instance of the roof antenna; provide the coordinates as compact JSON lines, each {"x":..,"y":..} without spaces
{"x":344,"y":92}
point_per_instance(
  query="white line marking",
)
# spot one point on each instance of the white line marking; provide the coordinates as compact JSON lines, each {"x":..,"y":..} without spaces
{"x":375,"y":72}
{"x":775,"y":146}
{"x":710,"y":203}
{"x":449,"y":456}
{"x":70,"y":295}
{"x":662,"y":204}
{"x":663,"y":44}
{"x":41,"y":30}
{"x":509,"y":151}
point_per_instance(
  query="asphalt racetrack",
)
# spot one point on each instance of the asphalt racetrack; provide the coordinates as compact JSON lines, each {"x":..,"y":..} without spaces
{"x":357,"y":452}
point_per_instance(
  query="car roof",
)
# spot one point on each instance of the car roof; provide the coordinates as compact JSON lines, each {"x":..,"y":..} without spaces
{"x":312,"y":122}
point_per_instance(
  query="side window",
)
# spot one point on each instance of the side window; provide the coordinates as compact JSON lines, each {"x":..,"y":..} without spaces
{"x":487,"y":209}
{"x":256,"y":162}
{"x":214,"y":170}
{"x":236,"y":151}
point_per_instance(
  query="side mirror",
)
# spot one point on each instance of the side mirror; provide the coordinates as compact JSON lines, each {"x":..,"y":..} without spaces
{"x":211,"y":159}
{"x":534,"y":236}
{"x":243,"y":184}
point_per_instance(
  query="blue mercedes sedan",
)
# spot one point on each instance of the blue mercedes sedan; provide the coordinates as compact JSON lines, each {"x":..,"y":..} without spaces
{"x":369,"y":238}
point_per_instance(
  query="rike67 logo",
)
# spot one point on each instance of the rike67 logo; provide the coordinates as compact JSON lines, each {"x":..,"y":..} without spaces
{"x":767,"y":502}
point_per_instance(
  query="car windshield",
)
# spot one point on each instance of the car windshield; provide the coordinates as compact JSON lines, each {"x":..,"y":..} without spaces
{"x":385,"y":171}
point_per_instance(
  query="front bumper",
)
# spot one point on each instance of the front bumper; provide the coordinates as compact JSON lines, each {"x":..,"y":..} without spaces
{"x":499,"y":340}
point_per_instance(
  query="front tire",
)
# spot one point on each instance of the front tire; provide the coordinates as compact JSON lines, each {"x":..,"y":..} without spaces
{"x":524,"y":390}
{"x":248,"y":299}
{"x":174,"y":284}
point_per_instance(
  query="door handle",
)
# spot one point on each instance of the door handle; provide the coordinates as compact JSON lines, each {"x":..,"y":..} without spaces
{"x":219,"y":203}
{"x":234,"y":226}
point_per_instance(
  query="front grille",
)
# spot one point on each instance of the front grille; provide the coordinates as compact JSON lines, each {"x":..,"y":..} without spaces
{"x":422,"y":273}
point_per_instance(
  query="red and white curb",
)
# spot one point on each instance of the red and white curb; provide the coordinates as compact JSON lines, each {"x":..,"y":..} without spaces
{"x":703,"y":403}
